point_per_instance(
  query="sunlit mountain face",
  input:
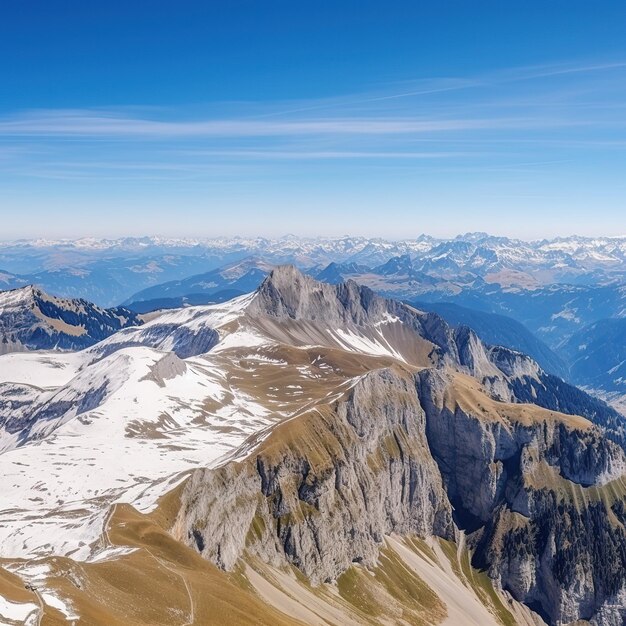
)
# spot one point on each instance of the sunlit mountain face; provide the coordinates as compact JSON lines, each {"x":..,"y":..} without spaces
{"x":306,"y":448}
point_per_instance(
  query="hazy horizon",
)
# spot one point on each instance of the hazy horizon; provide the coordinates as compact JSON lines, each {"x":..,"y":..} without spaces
{"x":310,"y":237}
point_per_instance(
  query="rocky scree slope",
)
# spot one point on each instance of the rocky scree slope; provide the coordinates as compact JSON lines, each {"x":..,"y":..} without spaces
{"x":458,"y":446}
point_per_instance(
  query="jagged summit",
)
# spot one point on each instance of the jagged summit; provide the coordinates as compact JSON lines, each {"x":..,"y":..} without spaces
{"x":287,"y":292}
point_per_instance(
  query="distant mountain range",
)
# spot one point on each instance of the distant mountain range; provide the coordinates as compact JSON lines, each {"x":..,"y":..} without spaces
{"x":554,"y":288}
{"x":111,"y":271}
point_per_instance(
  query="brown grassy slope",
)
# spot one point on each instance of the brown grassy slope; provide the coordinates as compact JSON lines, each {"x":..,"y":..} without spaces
{"x":161,"y":583}
{"x":466,"y":392}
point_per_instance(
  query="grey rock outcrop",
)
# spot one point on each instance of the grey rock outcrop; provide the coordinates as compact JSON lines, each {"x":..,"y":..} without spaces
{"x":323,"y":490}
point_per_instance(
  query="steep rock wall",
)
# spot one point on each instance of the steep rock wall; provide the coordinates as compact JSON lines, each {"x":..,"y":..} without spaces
{"x":324,"y":489}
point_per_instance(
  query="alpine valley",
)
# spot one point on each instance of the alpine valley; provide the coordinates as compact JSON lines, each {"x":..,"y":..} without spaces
{"x":313,"y":450}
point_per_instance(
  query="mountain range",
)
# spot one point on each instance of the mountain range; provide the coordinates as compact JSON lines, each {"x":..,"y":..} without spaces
{"x":109,"y":272}
{"x":538,"y":321}
{"x":556,"y":289}
{"x":306,"y":453}
{"x":553,"y":312}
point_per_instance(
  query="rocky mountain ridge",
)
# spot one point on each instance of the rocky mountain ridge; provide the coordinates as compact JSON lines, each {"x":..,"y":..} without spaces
{"x":32,"y":320}
{"x":325,"y":436}
{"x":367,"y":471}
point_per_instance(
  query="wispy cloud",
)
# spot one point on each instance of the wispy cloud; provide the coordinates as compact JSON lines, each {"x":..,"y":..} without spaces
{"x":498,"y":120}
{"x":532,"y":72}
{"x":103,"y":124}
{"x":326,"y":154}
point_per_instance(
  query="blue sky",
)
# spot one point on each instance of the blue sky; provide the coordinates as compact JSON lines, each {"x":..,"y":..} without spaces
{"x":267,"y":118}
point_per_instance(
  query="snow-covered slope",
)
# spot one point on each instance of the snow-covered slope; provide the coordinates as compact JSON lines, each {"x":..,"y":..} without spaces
{"x":122,"y":427}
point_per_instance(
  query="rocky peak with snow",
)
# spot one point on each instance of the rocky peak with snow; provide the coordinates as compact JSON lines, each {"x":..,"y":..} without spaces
{"x":287,"y":292}
{"x":30,"y":319}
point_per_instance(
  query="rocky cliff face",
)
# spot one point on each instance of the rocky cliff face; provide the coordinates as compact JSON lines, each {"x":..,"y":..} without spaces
{"x":537,"y":499}
{"x":480,"y":441}
{"x":324,"y":489}
{"x":536,"y":493}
